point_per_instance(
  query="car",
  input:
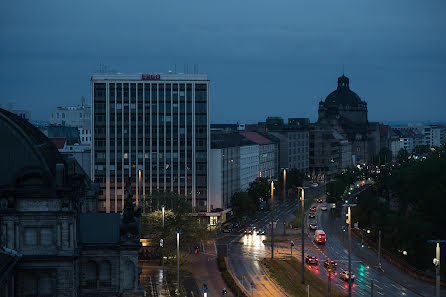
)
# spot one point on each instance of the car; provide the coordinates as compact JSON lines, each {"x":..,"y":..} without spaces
{"x":227,"y":229}
{"x":253,"y":226}
{"x":313,"y":226}
{"x":311,"y":215}
{"x":311,"y":259}
{"x":248,"y":230}
{"x":324,"y":207}
{"x":344,"y":276}
{"x":313,"y":208}
{"x":235,"y":225}
{"x":314,"y":185}
{"x":334,"y":265}
{"x":319,"y":200}
{"x":260,"y":231}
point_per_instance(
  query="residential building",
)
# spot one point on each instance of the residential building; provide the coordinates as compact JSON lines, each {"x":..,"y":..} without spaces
{"x":232,"y":167}
{"x":293,"y":148}
{"x":154,"y":130}
{"x":74,"y":116}
{"x":268,"y":154}
{"x":23,"y":113}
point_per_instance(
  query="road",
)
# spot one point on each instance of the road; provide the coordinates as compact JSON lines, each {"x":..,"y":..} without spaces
{"x":245,"y":251}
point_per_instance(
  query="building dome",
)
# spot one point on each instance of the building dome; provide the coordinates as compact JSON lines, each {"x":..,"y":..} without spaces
{"x":343,"y":95}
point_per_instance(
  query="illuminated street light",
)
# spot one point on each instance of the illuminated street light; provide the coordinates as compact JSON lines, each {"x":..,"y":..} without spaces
{"x":349,"y":222}
{"x":302,"y":199}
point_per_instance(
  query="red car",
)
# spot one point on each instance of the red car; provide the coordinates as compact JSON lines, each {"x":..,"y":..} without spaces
{"x":313,"y":208}
{"x":311,"y":259}
{"x":334,"y":265}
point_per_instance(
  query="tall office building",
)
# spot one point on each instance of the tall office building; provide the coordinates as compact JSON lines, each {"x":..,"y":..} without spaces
{"x":153,"y":128}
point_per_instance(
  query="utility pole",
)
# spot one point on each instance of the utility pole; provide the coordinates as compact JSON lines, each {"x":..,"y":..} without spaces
{"x":272,"y":216}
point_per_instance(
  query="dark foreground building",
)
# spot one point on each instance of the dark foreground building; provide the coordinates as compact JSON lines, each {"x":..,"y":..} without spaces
{"x":47,"y":204}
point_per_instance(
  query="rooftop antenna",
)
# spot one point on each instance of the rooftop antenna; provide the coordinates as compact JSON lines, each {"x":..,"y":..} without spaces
{"x":342,"y":68}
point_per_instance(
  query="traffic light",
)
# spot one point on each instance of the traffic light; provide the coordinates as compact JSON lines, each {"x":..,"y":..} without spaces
{"x":223,"y":292}
{"x":292,"y":243}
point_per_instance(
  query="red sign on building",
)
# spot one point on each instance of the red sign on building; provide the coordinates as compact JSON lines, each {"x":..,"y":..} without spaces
{"x":150,"y":77}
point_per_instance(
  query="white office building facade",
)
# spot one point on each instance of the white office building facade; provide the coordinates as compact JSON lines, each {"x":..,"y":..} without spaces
{"x":153,"y":129}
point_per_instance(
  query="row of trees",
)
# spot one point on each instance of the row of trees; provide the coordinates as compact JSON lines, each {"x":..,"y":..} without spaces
{"x":407,"y":203}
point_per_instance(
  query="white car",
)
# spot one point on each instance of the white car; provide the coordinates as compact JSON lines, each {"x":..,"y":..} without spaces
{"x":314,"y":185}
{"x":324,"y":207}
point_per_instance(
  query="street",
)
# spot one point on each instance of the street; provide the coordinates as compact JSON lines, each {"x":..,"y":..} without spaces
{"x":245,"y":251}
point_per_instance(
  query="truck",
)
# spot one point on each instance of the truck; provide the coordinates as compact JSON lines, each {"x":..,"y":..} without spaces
{"x":319,"y":236}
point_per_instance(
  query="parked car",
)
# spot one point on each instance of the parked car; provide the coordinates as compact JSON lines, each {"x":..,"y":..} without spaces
{"x":313,"y":208}
{"x":227,"y":229}
{"x":313,"y":226}
{"x":344,"y":276}
{"x":311,"y":215}
{"x":311,"y":259}
{"x":327,"y":263}
{"x":235,"y":225}
{"x":319,"y":200}
{"x":324,"y":207}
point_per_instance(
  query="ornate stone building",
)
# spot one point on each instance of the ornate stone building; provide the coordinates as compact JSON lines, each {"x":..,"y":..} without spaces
{"x":342,"y":136}
{"x":42,"y":199}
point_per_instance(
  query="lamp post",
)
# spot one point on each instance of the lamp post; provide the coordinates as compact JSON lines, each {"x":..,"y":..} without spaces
{"x":162,"y":246}
{"x":302,"y":199}
{"x":329,"y":277}
{"x":272,"y":216}
{"x":284,"y":182}
{"x":205,"y":290}
{"x":379,"y":251}
{"x":436,"y":262}
{"x":349,"y":222}
{"x":178,"y":262}
{"x":138,"y":188}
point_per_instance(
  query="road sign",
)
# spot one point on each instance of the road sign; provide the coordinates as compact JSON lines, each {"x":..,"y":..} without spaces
{"x":161,"y":242}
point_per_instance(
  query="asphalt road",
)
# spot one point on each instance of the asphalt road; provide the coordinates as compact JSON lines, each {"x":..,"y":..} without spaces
{"x":245,"y":251}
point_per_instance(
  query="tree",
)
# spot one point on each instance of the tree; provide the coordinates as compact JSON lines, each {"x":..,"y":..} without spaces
{"x":403,"y":156}
{"x":242,"y":204}
{"x":177,"y":216}
{"x":384,"y":156}
{"x":259,"y":190}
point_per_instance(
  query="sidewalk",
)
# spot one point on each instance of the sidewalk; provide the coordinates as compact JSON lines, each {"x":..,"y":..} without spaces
{"x":203,"y":267}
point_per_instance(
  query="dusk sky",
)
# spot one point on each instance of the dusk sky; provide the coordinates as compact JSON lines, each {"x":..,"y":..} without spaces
{"x":277,"y":58}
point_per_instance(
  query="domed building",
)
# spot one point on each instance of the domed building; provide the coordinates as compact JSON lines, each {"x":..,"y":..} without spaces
{"x":52,"y":240}
{"x":342,"y":136}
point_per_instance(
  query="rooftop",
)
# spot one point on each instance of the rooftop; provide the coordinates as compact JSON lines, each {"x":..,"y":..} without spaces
{"x":256,"y":137}
{"x":224,"y":140}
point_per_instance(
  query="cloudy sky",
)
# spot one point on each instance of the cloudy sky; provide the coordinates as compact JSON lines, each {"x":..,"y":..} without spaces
{"x":263,"y":57}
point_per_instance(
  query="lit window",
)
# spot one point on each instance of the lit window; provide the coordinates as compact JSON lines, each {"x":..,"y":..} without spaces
{"x":126,"y":155}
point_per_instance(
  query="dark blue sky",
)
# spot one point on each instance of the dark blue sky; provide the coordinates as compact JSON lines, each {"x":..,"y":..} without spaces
{"x":263,"y":57}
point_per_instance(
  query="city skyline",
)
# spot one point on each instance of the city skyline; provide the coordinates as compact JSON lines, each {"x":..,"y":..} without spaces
{"x":393,"y":54}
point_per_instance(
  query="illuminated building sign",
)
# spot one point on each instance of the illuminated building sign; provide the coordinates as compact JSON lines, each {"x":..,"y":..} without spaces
{"x":150,"y":77}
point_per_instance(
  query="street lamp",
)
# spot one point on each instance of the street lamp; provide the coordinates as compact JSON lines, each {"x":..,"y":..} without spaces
{"x":162,"y":244}
{"x":272,"y":216}
{"x":178,"y":262}
{"x":284,"y":182}
{"x":138,"y":188}
{"x":205,"y":290}
{"x":302,"y":199}
{"x":349,"y":222}
{"x":436,"y":262}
